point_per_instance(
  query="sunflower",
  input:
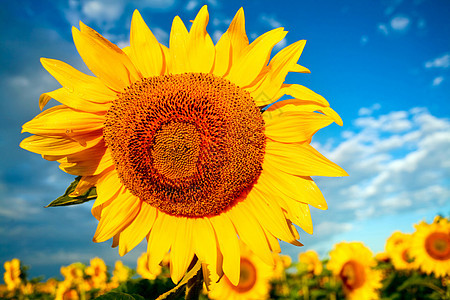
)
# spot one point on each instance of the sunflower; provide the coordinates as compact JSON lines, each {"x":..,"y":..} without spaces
{"x":97,"y":273}
{"x":310,"y":261}
{"x":182,"y":145}
{"x":431,"y":247}
{"x":254,"y":279}
{"x":398,"y":247}
{"x":352,"y":263}
{"x":121,"y":273}
{"x":12,"y":274}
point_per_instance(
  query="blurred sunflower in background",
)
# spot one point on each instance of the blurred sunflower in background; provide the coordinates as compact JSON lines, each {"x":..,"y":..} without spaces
{"x":183,"y":145}
{"x":431,"y":247}
{"x":143,"y":270}
{"x":12,"y":274}
{"x":352,"y":263}
{"x":309,"y":261}
{"x":398,"y":247}
{"x":254,"y":280}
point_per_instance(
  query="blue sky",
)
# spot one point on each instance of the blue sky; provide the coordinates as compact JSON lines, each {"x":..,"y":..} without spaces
{"x":384,"y":66}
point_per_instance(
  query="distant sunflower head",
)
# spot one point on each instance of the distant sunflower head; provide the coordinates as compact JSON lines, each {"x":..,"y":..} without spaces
{"x":352,"y":263}
{"x":431,"y":247}
{"x":142,"y":267}
{"x":12,"y":274}
{"x":310,"y":262}
{"x":254,"y":280}
{"x":398,"y":247}
{"x":185,"y":144}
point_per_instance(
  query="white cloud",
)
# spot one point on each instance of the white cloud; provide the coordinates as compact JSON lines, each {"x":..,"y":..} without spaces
{"x":271,"y":21}
{"x":102,"y":12}
{"x":397,"y":161}
{"x":330,"y":228}
{"x":191,"y":5}
{"x":280,"y":45}
{"x":367,"y":111}
{"x":438,"y":80}
{"x":383,"y":29}
{"x":217,"y":35}
{"x":400,"y":23}
{"x":439,"y":62}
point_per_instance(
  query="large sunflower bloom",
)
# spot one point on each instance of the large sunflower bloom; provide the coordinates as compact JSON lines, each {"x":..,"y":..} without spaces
{"x":431,"y":247}
{"x":254,"y":280}
{"x":353,"y":263}
{"x":178,"y":144}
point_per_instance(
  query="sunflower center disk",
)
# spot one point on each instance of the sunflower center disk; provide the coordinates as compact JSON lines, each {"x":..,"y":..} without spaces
{"x":437,"y":245}
{"x":247,"y":277}
{"x":353,"y":275}
{"x":188,"y":144}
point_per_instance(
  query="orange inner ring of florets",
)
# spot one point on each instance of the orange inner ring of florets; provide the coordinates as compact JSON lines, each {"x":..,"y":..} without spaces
{"x":437,"y":245}
{"x":189,"y":144}
{"x":353,"y":275}
{"x":247,"y":278}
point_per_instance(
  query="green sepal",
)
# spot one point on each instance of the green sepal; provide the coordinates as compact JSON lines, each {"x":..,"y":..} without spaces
{"x":65,"y":199}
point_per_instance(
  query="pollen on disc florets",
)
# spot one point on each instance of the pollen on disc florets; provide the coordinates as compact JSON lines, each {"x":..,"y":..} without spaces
{"x":188,"y":144}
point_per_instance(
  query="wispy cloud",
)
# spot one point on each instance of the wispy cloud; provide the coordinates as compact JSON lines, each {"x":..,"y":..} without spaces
{"x":400,"y":23}
{"x":439,"y":62}
{"x":270,"y":20}
{"x":438,"y":80}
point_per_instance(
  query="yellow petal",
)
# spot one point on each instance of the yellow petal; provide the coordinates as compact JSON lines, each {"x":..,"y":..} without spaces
{"x":107,"y":61}
{"x":108,"y":187}
{"x":299,"y":69}
{"x":138,"y":229}
{"x":301,"y":189}
{"x":282,"y":63}
{"x":229,"y":246}
{"x":268,"y":213}
{"x":222,"y":62}
{"x":199,"y":45}
{"x":204,"y":241}
{"x":63,"y":121}
{"x":72,"y":100}
{"x":254,"y":57}
{"x":179,"y":60}
{"x":61,"y":145}
{"x":273,"y":242}
{"x":303,"y":105}
{"x":86,"y":87}
{"x":160,"y":239}
{"x":92,"y":161}
{"x":303,"y":93}
{"x":86,"y":182}
{"x":145,"y":51}
{"x":293,"y":126}
{"x":117,"y":216}
{"x":300,"y":159}
{"x":238,"y":37}
{"x":182,"y":252}
{"x":250,"y":232}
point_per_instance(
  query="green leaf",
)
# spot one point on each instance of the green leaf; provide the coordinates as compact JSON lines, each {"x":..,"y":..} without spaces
{"x":65,"y":199}
{"x":183,"y":281}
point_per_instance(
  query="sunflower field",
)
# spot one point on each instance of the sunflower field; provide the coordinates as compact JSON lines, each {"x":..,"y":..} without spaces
{"x":413,"y":266}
